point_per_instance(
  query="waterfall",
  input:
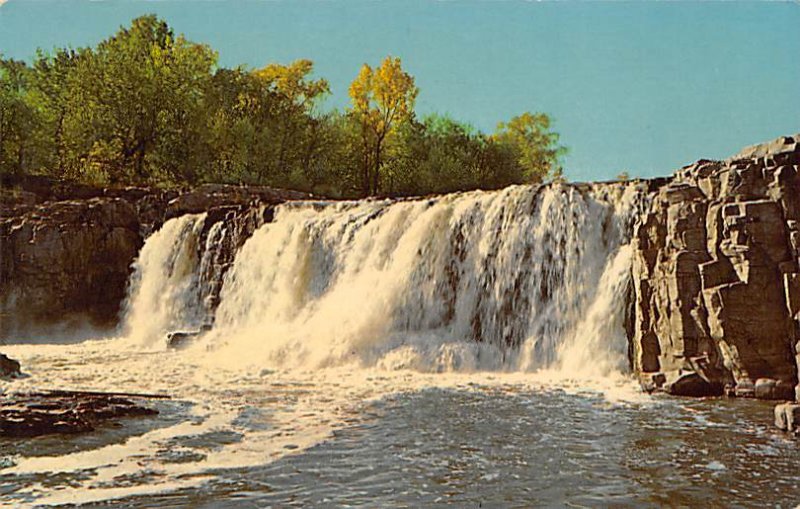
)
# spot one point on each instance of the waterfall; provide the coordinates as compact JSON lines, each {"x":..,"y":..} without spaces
{"x":518,"y":279}
{"x":164,"y":293}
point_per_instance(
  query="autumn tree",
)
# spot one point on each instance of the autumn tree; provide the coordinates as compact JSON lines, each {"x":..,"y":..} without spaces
{"x":147,"y":106}
{"x":382,"y":99}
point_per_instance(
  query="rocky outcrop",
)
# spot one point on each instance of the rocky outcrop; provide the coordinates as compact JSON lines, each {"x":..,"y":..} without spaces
{"x":66,"y":412}
{"x":225,"y":230}
{"x":787,"y":417}
{"x":66,"y":258}
{"x":209,"y":197}
{"x":66,"y":250}
{"x":716,"y":282}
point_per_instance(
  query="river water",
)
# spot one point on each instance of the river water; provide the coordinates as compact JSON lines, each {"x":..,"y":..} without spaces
{"x":464,"y":351}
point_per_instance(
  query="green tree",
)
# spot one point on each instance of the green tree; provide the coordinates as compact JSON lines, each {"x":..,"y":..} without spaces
{"x":148,"y":107}
{"x":538,"y":151}
{"x":296,"y":97}
{"x":19,"y":119}
{"x":136,"y":103}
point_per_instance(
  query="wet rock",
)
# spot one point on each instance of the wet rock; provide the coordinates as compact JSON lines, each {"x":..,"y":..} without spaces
{"x":691,"y":384}
{"x":716,"y":275}
{"x":9,"y":368}
{"x":181,"y":339}
{"x":787,"y":417}
{"x":66,"y":258}
{"x":64,"y":412}
{"x":768,"y":388}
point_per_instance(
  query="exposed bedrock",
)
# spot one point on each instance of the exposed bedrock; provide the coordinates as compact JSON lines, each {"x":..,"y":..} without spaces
{"x":716,"y":283}
{"x":66,"y":251}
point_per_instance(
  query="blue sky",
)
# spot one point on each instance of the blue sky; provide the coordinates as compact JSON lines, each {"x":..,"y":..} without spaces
{"x":642,"y":87}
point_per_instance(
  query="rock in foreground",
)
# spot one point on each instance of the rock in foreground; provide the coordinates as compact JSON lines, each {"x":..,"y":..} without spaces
{"x":787,"y":417}
{"x":8,"y":367}
{"x":64,"y":412}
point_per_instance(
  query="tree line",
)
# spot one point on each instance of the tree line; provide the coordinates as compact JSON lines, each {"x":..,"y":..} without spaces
{"x":147,"y":107}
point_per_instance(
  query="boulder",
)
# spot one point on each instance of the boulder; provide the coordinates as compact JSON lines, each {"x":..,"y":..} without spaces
{"x":181,"y":339}
{"x":787,"y":417}
{"x":9,"y":368}
{"x":691,"y":384}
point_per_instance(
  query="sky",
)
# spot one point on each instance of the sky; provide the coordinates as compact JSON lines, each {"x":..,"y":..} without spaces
{"x":642,"y":87}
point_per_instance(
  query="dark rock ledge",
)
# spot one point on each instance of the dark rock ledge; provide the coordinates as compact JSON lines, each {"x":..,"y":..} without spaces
{"x":67,"y":412}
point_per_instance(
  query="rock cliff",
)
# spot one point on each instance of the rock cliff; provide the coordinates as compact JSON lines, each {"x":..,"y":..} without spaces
{"x":66,"y":250}
{"x":716,"y":283}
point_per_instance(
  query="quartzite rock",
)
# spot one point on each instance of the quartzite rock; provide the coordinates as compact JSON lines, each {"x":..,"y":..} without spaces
{"x":66,"y":258}
{"x":787,"y":417}
{"x":716,"y":283}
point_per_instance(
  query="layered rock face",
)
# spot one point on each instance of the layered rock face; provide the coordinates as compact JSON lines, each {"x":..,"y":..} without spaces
{"x":716,"y":283}
{"x":66,"y":258}
{"x":715,"y":304}
{"x":66,"y":251}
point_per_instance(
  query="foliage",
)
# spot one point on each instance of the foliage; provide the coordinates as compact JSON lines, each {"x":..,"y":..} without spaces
{"x":149,"y":107}
{"x":383,"y":100}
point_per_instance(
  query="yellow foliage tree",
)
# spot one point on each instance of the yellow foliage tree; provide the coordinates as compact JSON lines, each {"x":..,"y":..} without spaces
{"x":382,"y":99}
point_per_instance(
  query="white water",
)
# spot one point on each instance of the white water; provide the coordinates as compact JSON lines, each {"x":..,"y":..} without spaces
{"x":333,"y":305}
{"x":164,"y":290}
{"x":518,"y":279}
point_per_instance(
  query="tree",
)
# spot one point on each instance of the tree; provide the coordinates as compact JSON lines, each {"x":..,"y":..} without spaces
{"x":51,"y":91}
{"x":18,"y":118}
{"x":538,"y":152}
{"x":146,"y":106}
{"x":296,"y":98}
{"x":381,"y":99}
{"x":137,"y":101}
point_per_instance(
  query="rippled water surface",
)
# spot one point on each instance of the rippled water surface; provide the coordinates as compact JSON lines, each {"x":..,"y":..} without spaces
{"x":498,"y":448}
{"x":410,"y":440}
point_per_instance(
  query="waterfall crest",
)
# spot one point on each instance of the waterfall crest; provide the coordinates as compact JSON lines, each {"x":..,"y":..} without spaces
{"x":522,"y":278}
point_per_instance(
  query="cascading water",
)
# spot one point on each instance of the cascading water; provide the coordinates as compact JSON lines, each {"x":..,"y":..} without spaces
{"x":523,"y":278}
{"x":164,"y":293}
